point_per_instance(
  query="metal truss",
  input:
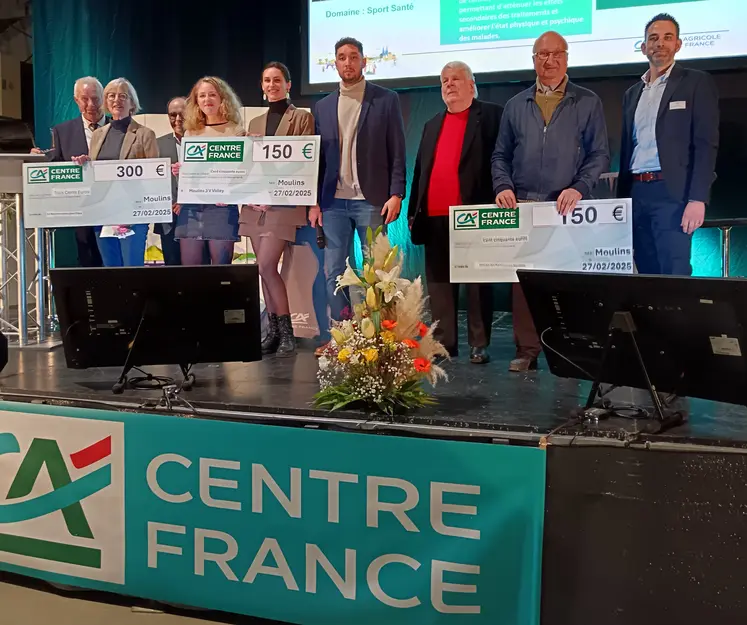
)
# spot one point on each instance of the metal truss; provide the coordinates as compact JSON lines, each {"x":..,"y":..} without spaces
{"x":24,"y":276}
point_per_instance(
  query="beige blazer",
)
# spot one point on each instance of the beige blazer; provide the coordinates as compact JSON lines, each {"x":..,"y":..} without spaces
{"x":294,"y":122}
{"x":139,"y":142}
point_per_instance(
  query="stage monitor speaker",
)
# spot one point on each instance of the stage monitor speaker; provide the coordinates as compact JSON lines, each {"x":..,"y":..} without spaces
{"x":138,"y":316}
{"x":667,"y":334}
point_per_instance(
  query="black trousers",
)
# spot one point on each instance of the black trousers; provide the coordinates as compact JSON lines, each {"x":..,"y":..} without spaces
{"x":444,"y":296}
{"x":172,"y":253}
{"x":88,"y":248}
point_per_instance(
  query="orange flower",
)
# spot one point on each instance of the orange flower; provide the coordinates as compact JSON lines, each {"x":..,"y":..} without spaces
{"x":422,"y":364}
{"x":388,"y":324}
{"x":422,"y":329}
{"x":410,"y":343}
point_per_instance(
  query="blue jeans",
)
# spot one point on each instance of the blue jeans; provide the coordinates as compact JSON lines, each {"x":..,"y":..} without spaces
{"x":129,"y":252}
{"x":306,"y":235}
{"x":341,"y":219}
{"x":659,"y":245}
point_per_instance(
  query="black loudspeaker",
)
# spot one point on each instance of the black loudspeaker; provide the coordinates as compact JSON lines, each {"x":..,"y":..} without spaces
{"x":3,"y":351}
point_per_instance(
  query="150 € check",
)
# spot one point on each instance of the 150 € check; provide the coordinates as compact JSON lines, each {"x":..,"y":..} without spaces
{"x":488,"y":243}
{"x":99,"y":193}
{"x":277,"y":171}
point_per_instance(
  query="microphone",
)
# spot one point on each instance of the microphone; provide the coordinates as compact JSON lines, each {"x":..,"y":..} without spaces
{"x":321,"y":240}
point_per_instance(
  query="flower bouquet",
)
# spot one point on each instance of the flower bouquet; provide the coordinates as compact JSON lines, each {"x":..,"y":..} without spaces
{"x":381,"y":356}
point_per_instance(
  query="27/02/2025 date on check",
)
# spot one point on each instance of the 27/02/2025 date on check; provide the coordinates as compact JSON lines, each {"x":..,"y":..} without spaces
{"x":291,"y":193}
{"x":151,"y":212}
{"x":607,"y":266}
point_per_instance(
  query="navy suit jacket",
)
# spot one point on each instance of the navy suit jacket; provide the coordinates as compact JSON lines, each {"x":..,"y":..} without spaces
{"x":380,"y":146}
{"x":686,"y":135}
{"x":68,"y":140}
{"x":167,"y":149}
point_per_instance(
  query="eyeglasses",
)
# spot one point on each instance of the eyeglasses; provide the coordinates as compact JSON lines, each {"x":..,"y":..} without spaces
{"x":543,"y":56}
{"x":119,"y":97}
{"x":175,"y":115}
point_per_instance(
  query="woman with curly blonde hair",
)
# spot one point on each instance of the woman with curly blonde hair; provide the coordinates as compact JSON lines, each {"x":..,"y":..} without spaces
{"x":213,"y":110}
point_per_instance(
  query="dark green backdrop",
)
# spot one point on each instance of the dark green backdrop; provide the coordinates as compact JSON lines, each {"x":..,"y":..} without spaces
{"x":164,"y":47}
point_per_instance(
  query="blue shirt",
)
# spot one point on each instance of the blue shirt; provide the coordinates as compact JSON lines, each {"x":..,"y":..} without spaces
{"x":645,"y":151}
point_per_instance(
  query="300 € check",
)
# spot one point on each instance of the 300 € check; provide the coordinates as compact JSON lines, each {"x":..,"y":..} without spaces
{"x":488,"y":243}
{"x":99,"y":193}
{"x":277,"y":171}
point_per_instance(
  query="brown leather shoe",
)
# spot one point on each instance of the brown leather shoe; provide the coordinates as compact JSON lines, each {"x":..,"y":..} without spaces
{"x":522,"y":365}
{"x":319,"y":351}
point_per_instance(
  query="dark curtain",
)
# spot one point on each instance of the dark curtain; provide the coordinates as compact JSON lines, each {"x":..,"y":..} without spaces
{"x":163,"y":47}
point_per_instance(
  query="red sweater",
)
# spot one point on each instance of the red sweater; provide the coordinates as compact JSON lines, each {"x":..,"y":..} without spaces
{"x":443,"y":188}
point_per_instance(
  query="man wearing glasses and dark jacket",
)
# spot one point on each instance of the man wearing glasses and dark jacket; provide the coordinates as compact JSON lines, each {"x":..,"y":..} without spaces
{"x":552,"y":146}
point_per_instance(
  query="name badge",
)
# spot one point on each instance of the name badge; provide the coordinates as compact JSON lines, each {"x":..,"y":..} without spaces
{"x":680,"y":105}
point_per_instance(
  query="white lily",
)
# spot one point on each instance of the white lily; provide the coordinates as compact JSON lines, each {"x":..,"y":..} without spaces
{"x":390,"y":284}
{"x":349,"y":278}
{"x":338,"y":336}
{"x":368,"y":328}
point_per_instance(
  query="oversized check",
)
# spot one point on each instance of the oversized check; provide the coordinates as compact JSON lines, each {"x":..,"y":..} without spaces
{"x":99,"y":193}
{"x":279,"y":171}
{"x":488,"y":243}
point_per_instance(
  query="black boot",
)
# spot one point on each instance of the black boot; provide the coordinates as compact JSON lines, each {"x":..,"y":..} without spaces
{"x":287,"y":346}
{"x":271,"y":341}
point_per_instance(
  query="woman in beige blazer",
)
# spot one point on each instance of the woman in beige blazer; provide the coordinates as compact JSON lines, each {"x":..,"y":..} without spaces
{"x":271,"y":228}
{"x":121,"y":139}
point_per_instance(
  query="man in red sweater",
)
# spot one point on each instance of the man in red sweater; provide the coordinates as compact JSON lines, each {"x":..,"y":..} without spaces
{"x":453,"y":168}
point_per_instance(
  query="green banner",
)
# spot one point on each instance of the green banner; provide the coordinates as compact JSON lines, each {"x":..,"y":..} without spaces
{"x":487,"y":20}
{"x":296,"y":525}
{"x":628,"y":4}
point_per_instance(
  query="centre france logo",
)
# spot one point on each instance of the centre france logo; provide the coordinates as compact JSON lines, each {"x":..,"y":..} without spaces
{"x":196,"y":152}
{"x":62,"y":495}
{"x":466,"y":219}
{"x":54,"y":173}
{"x":214,"y":151}
{"x":37,"y":174}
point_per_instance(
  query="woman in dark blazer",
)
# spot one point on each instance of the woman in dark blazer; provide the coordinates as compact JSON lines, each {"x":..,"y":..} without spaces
{"x":272,"y":229}
{"x":122,"y":139}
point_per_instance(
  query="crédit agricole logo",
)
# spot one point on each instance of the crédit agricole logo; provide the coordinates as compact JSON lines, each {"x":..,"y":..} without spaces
{"x":62,"y":495}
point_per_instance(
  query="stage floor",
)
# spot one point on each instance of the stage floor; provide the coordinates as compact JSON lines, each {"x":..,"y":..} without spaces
{"x":487,"y":397}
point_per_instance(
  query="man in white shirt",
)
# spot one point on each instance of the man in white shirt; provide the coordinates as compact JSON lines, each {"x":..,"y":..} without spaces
{"x":668,"y":152}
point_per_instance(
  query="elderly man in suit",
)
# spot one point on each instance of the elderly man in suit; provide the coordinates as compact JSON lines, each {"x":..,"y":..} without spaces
{"x":453,"y":168}
{"x":73,"y":138}
{"x":170,"y":146}
{"x":668,"y":152}
{"x":362,"y":162}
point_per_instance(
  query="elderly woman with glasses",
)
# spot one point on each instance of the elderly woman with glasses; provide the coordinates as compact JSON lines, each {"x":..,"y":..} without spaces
{"x":123,"y":138}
